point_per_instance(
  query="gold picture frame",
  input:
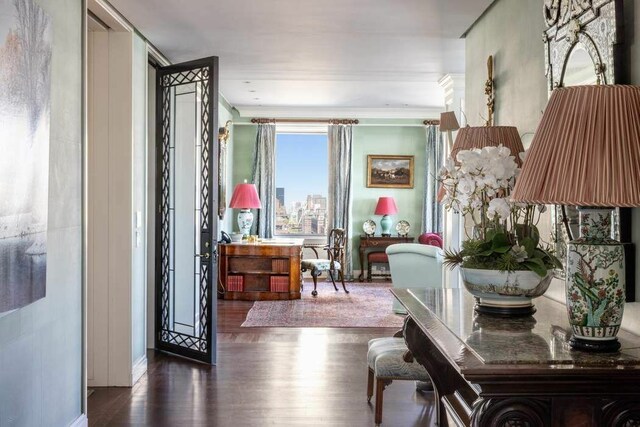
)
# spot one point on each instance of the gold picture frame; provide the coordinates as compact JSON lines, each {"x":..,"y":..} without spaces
{"x":387,"y":171}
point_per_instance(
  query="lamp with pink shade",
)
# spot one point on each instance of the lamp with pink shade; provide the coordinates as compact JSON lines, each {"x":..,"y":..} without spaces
{"x":386,"y":206}
{"x":245,"y":197}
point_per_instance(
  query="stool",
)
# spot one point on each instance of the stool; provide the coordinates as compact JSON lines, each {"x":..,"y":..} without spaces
{"x":376,"y":258}
{"x":387,"y":361}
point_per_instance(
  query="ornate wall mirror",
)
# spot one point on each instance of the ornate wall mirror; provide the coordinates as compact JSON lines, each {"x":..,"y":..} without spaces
{"x":582,"y":46}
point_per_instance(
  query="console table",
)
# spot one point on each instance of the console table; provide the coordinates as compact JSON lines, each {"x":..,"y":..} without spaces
{"x":269,"y":270}
{"x":489,"y":371}
{"x":379,"y":244}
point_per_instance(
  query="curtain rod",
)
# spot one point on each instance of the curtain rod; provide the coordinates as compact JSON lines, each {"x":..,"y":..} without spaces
{"x":431,"y":122}
{"x":330,"y":121}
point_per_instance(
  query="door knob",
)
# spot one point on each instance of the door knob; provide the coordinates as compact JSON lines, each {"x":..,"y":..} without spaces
{"x":205,"y":255}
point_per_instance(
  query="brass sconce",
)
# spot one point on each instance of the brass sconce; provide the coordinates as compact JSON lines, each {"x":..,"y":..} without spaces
{"x":223,"y":132}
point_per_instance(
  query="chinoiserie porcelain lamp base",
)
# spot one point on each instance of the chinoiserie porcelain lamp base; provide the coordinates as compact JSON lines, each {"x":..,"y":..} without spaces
{"x":245,"y":221}
{"x":595,"y":283}
{"x":385,"y":225}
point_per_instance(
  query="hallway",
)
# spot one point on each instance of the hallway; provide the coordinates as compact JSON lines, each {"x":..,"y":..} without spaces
{"x":265,"y":376}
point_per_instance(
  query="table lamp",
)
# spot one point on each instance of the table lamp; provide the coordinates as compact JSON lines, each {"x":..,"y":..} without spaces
{"x":586,"y":153}
{"x":448,"y":124}
{"x":469,"y":138}
{"x":386,"y":206}
{"x":245,"y":197}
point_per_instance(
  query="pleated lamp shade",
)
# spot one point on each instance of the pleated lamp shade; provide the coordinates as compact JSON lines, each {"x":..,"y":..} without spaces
{"x":489,"y":136}
{"x":448,"y":121}
{"x":586,"y":151}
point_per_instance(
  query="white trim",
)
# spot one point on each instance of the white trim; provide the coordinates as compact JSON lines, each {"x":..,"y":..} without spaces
{"x":139,"y":368}
{"x":339,"y":112}
{"x":81,"y":421}
{"x":109,"y":15}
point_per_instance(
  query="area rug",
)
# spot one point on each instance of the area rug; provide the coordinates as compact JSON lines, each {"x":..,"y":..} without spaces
{"x":368,"y":305}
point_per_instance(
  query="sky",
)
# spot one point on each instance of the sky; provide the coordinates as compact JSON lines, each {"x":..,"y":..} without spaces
{"x":301,"y":165}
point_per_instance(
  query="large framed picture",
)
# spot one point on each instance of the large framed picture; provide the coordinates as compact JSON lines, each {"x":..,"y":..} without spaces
{"x":385,"y":171}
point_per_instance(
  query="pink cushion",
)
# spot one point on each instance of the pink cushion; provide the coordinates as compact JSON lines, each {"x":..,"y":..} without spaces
{"x":379,"y":257}
{"x":431,"y":239}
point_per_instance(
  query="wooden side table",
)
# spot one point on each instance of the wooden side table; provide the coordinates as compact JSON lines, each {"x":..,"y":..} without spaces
{"x":377,"y":244}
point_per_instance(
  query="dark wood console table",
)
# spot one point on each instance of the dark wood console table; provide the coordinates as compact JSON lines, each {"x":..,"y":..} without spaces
{"x":489,"y":371}
{"x":379,"y":244}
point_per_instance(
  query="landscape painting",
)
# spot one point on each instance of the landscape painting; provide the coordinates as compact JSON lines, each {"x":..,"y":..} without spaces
{"x":25,"y":86}
{"x":389,"y":171}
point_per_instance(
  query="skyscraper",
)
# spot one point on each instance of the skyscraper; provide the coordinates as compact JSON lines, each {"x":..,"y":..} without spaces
{"x":280,"y":195}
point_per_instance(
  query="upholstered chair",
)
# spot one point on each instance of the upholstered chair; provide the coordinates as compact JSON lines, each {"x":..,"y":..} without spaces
{"x":333,"y":264}
{"x":414,"y":265}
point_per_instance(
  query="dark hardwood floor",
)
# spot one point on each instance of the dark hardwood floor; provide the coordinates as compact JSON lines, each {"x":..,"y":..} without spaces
{"x":264,"y":377}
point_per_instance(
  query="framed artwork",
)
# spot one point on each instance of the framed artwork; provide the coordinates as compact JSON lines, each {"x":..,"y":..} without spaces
{"x":25,"y":87}
{"x":385,"y":171}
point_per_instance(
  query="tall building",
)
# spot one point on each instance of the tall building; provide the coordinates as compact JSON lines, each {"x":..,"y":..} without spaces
{"x":280,"y":195}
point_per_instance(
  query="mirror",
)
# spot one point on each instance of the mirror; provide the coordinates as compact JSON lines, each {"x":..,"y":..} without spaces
{"x":580,"y":68}
{"x":580,"y":49}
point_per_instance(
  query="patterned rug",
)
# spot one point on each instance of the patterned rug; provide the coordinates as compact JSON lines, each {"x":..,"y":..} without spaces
{"x":368,"y":305}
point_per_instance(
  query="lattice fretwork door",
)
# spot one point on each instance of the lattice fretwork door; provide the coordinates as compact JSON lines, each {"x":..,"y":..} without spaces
{"x":186,"y":254}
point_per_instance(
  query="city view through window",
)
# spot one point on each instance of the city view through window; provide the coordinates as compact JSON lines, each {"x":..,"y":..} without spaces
{"x":302,"y":178}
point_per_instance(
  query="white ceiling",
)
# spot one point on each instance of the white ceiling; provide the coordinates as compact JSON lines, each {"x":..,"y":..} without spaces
{"x":316,"y":54}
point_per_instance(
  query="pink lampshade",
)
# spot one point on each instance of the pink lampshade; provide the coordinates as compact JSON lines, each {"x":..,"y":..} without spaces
{"x":585,"y":151}
{"x":448,"y":121}
{"x":488,"y":136}
{"x":386,"y":206}
{"x":245,"y":196}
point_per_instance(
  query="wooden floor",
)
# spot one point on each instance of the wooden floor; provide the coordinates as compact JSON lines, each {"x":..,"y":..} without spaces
{"x":264,"y":377}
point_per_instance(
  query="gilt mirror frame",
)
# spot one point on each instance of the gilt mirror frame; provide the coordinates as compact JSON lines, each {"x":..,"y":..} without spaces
{"x":597,"y":26}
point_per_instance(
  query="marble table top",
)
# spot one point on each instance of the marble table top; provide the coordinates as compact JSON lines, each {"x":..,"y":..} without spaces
{"x":538,"y":339}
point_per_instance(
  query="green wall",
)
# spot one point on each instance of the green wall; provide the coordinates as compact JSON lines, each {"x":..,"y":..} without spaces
{"x":367,"y":139}
{"x":225,"y":112}
{"x":398,"y":140}
{"x":244,"y":138}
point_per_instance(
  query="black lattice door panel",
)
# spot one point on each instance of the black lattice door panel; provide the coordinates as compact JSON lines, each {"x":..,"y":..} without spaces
{"x":186,"y":252}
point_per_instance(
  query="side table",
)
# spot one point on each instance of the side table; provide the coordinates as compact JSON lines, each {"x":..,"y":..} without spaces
{"x":377,"y":244}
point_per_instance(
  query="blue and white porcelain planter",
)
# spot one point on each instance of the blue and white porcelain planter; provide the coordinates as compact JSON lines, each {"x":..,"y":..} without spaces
{"x":505,"y":292}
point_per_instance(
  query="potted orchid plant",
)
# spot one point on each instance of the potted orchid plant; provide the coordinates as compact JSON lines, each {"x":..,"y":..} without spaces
{"x":502,"y":261}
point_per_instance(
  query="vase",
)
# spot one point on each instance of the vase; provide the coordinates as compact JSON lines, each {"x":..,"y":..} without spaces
{"x":505,"y":293}
{"x":595,"y":283}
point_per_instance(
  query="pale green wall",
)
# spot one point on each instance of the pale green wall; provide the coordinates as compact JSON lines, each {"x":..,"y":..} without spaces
{"x":226,"y":113}
{"x":399,"y":140}
{"x":407,"y":140}
{"x":243,"y":145}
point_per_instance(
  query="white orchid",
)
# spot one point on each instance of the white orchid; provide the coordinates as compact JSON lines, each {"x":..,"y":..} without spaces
{"x":499,"y":207}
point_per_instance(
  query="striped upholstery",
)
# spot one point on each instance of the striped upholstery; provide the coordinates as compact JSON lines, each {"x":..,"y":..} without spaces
{"x":385,"y":357}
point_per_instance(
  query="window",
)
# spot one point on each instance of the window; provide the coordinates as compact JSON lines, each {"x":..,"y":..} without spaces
{"x":301,"y":184}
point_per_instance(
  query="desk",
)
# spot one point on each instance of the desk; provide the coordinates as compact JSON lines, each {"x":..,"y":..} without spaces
{"x":269,"y":270}
{"x":376,"y":243}
{"x":489,"y":371}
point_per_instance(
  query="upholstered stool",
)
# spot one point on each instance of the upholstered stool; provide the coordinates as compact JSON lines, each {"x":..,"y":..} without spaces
{"x":376,"y":258}
{"x":387,"y":361}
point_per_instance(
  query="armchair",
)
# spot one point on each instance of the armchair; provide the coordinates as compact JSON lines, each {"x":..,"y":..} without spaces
{"x":334,"y":262}
{"x":414,"y":265}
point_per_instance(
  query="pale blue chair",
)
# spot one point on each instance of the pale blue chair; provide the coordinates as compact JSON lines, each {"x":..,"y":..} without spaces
{"x":414,"y":265}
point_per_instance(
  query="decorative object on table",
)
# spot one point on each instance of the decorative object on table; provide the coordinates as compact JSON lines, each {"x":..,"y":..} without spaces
{"x":403,"y":227}
{"x":385,"y":171}
{"x":597,"y":169}
{"x":245,"y":198}
{"x":386,"y":206}
{"x":369,"y":227}
{"x":223,"y":137}
{"x":236,"y":237}
{"x":449,"y":123}
{"x":503,"y":264}
{"x":25,"y":89}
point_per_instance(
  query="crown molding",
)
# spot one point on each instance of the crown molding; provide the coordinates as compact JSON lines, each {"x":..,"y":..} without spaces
{"x":339,"y":112}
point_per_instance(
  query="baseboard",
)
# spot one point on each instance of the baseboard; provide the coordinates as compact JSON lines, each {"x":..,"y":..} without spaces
{"x":139,"y":369}
{"x":81,"y":421}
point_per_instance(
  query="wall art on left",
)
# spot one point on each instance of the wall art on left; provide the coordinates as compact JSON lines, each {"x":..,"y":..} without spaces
{"x":25,"y":86}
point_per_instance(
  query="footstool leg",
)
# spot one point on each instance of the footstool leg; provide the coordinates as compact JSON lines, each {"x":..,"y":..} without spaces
{"x":370,"y":385}
{"x":314,"y":274}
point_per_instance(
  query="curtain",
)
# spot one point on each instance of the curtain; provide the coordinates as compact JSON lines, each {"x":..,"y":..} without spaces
{"x":263,"y":176}
{"x":432,"y":212}
{"x":340,"y":151}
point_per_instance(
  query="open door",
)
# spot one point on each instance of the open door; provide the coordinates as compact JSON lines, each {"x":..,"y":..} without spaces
{"x":186,"y":223}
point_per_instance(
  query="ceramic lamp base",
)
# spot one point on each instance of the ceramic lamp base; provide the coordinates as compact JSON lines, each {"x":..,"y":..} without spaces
{"x":385,"y":225}
{"x":595,"y":283}
{"x":245,"y":221}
